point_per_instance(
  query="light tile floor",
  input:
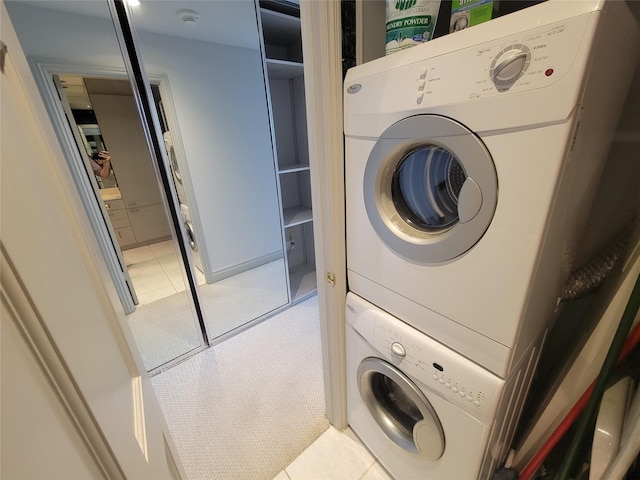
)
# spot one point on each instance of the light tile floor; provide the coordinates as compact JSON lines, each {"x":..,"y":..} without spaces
{"x":155,"y":271}
{"x":335,"y":455}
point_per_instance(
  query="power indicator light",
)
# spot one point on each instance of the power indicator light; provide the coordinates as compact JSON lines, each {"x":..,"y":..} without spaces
{"x":548,"y":72}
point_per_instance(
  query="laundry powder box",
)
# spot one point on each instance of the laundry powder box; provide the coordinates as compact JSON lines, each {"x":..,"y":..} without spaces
{"x":467,"y":13}
{"x":409,"y":23}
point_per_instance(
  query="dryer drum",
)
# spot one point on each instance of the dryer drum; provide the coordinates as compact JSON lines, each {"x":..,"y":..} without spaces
{"x":425,"y":188}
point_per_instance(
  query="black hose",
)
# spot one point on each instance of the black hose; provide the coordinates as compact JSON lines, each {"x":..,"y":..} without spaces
{"x":589,"y":415}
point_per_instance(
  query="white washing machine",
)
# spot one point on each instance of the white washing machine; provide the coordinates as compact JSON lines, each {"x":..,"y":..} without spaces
{"x":471,"y":161}
{"x":424,"y":411}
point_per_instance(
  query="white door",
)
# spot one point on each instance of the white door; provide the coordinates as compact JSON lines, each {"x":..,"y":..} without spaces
{"x":64,"y":303}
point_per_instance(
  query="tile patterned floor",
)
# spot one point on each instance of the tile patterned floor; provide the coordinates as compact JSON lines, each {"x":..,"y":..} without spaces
{"x":155,"y":271}
{"x":335,"y":455}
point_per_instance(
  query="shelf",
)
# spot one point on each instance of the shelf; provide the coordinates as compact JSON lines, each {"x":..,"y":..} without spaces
{"x":303,"y":282}
{"x":293,"y":167}
{"x":283,"y":57}
{"x":278,"y":28}
{"x":296,"y":216}
{"x":284,"y":69}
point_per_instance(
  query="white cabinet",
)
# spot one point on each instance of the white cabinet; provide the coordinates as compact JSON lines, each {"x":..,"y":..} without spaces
{"x":285,"y":79}
{"x":119,"y":220}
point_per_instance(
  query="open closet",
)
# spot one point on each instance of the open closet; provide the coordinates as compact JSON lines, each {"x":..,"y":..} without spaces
{"x":282,"y":49}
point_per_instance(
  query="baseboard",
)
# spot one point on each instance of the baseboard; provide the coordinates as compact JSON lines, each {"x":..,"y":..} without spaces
{"x":227,"y":272}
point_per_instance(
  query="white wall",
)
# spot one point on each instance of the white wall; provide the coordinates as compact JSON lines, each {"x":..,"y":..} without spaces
{"x":219,"y":98}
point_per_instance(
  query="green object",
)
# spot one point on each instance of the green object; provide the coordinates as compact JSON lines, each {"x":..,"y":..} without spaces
{"x":409,"y":23}
{"x":583,"y":430}
{"x":467,"y":13}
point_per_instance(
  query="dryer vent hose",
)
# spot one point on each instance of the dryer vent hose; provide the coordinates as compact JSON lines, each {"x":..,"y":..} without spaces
{"x":590,"y":276}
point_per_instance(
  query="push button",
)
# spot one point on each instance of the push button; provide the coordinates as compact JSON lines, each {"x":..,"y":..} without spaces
{"x":398,"y":349}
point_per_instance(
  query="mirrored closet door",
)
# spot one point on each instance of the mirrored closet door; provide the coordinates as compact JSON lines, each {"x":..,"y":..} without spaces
{"x":191,"y":230}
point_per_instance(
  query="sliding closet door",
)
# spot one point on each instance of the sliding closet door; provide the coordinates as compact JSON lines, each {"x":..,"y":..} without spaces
{"x":213,"y":107}
{"x":166,"y":324}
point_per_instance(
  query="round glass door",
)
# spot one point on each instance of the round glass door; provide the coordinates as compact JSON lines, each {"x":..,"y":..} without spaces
{"x":425,"y":187}
{"x":400,"y":409}
{"x":430,"y":188}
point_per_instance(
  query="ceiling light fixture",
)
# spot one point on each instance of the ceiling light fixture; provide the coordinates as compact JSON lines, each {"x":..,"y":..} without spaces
{"x":133,"y":3}
{"x":188,"y":17}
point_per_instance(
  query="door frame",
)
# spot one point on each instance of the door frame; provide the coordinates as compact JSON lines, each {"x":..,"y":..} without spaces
{"x":322,"y":51}
{"x":44,"y":69}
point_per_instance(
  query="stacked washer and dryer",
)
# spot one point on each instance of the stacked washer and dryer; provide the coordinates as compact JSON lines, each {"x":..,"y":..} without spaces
{"x":187,"y":221}
{"x":471,"y":161}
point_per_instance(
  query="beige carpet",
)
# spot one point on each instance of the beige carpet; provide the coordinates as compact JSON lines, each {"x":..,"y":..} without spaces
{"x":244,"y":409}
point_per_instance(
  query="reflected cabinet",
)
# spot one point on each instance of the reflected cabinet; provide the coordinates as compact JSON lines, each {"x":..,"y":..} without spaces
{"x":282,"y":42}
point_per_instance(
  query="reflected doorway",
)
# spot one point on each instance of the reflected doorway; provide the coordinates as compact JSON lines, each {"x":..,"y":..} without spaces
{"x":106,"y":119}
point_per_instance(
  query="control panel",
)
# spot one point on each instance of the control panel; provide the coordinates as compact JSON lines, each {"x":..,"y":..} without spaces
{"x":534,"y":59}
{"x":455,"y":378}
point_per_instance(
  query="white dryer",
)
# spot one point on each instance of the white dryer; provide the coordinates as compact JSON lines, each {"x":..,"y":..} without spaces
{"x":471,"y":161}
{"x":424,"y":411}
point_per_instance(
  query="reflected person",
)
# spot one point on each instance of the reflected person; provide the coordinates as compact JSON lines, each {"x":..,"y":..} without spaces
{"x":101,"y":164}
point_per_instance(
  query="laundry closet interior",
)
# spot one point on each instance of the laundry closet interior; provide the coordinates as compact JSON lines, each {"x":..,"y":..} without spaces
{"x":233,"y":183}
{"x":483,"y":182}
{"x":211,"y":229}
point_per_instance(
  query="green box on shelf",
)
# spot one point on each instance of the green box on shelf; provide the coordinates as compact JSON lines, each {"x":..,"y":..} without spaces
{"x":467,"y":13}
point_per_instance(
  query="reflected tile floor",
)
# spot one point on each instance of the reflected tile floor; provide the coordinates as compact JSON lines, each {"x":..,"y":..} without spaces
{"x":335,"y":455}
{"x":155,"y":271}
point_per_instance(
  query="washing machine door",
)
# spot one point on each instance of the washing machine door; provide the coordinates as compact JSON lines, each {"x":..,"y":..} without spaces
{"x":400,"y":409}
{"x":430,"y":188}
{"x":188,"y":226}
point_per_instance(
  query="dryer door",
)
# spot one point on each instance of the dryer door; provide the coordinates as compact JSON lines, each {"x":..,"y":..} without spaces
{"x":430,"y":188}
{"x":400,"y":409}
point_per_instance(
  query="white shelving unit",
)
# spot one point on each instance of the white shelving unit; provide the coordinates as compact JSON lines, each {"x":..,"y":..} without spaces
{"x":283,"y":48}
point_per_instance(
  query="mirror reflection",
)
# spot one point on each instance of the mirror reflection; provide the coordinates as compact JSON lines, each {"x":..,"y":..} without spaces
{"x":211,"y":102}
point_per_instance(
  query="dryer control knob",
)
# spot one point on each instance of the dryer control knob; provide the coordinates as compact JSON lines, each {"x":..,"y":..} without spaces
{"x":509,"y":65}
{"x":398,"y":349}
